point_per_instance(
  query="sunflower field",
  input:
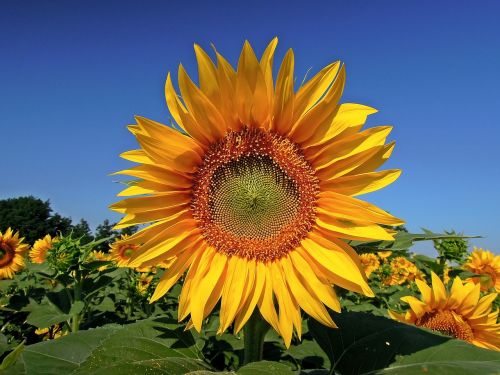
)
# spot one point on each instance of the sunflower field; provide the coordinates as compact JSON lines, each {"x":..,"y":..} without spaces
{"x":252,"y":252}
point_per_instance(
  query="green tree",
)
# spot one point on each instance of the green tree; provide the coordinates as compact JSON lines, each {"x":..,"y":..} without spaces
{"x":82,"y":230}
{"x":32,"y":217}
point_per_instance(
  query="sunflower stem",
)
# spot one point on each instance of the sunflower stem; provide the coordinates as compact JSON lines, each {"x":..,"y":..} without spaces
{"x":254,"y":333}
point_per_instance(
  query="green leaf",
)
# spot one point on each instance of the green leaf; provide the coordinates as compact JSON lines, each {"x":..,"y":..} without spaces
{"x":265,"y":368}
{"x":158,"y":346}
{"x":12,"y":357}
{"x":368,"y":344}
{"x":45,"y":314}
{"x":405,"y":240}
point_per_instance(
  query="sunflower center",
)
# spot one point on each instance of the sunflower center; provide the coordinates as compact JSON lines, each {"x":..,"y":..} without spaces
{"x":447,"y":323}
{"x":6,"y":255}
{"x":254,"y":195}
{"x":127,"y":252}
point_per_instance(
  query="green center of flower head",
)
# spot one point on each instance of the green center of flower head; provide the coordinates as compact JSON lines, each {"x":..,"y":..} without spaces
{"x":252,"y":197}
{"x":2,"y":253}
{"x":128,"y":252}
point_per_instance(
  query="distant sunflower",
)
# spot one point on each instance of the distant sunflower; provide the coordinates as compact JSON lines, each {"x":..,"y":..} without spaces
{"x":12,"y":250}
{"x":38,"y":252}
{"x":384,"y":255}
{"x":101,"y":256}
{"x":484,"y":262}
{"x":369,"y":262}
{"x":254,"y":196}
{"x":143,"y":282}
{"x":459,"y":313}
{"x":121,"y":251}
{"x":402,"y":271}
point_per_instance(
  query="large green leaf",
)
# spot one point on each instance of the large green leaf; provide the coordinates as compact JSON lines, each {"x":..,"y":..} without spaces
{"x":404,"y":240}
{"x":158,"y":346}
{"x":368,"y":344}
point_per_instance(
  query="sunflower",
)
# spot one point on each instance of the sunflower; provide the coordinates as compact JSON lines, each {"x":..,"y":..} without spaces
{"x":143,"y":282}
{"x":460,"y":312}
{"x":38,"y":252}
{"x":402,"y":270}
{"x":369,"y":262}
{"x":487,"y":264}
{"x":12,"y":250}
{"x":102,"y":257}
{"x":254,"y":195}
{"x":384,"y":255}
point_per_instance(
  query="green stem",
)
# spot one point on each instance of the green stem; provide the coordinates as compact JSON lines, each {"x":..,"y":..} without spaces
{"x":77,"y":296}
{"x":254,"y":333}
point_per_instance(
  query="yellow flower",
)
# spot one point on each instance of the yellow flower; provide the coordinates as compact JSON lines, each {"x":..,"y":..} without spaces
{"x":50,"y":333}
{"x":143,"y":283}
{"x":122,"y":250}
{"x":101,"y":256}
{"x":402,"y":271}
{"x":459,"y":313}
{"x":253,"y":198}
{"x":484,"y":262}
{"x":384,"y":255}
{"x":369,"y":262}
{"x":446,"y":276}
{"x":12,"y":250}
{"x":38,"y":252}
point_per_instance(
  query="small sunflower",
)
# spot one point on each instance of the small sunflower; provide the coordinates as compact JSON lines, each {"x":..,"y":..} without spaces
{"x":384,"y":255}
{"x":402,"y":270}
{"x":101,"y":256}
{"x":38,"y":252}
{"x":459,"y":313}
{"x":254,"y":197}
{"x":122,"y":250}
{"x":12,"y":250}
{"x":369,"y":262}
{"x":143,"y":282}
{"x":487,"y":264}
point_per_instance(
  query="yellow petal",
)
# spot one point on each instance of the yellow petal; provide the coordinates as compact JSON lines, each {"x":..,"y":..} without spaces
{"x":266,"y":64}
{"x":341,"y":206}
{"x":438,"y":291}
{"x":233,"y":288}
{"x":201,"y":108}
{"x":361,"y":183}
{"x":253,"y":298}
{"x":207,"y":74}
{"x":284,"y":302}
{"x":315,"y":123}
{"x":310,"y":93}
{"x":171,"y":275}
{"x":342,"y":270}
{"x":418,"y":307}
{"x":353,"y":230}
{"x":348,"y":119}
{"x":284,"y":97}
{"x":304,"y":296}
{"x":266,"y":304}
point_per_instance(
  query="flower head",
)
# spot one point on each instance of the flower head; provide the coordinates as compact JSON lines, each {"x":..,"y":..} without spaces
{"x":486,"y":264}
{"x":254,"y":197}
{"x":459,"y":313}
{"x":369,"y":262}
{"x":402,"y":270}
{"x":12,"y":250}
{"x":143,"y":282}
{"x":384,"y":255}
{"x":38,"y":252}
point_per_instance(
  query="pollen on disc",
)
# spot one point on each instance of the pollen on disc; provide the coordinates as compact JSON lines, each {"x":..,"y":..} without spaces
{"x":253,"y":197}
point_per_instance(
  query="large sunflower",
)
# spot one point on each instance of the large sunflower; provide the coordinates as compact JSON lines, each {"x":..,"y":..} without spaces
{"x":459,"y":313}
{"x":487,"y":264}
{"x":12,"y":251}
{"x":253,"y":196}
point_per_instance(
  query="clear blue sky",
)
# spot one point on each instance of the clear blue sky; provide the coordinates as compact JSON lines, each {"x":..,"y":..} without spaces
{"x":73,"y":74}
